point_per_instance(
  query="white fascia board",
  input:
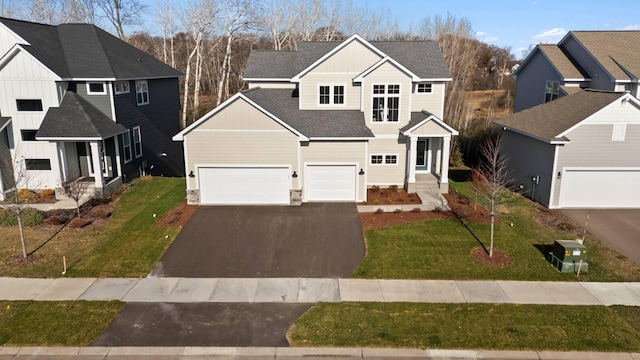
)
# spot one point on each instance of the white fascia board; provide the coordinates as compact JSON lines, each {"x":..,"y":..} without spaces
{"x":626,"y":97}
{"x":359,"y":78}
{"x":526,"y":60}
{"x":6,"y":124}
{"x":433,"y":79}
{"x":553,"y":142}
{"x":577,"y":79}
{"x":434,"y":119}
{"x":20,"y":48}
{"x":354,"y":37}
{"x":39,"y":138}
{"x":122,"y":79}
{"x":180,"y":136}
{"x":267,"y":79}
{"x":20,"y":39}
{"x":320,"y":138}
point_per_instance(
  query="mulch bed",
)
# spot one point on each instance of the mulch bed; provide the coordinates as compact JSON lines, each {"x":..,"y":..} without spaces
{"x":391,"y":196}
{"x":19,"y":260}
{"x":178,"y":216}
{"x":94,"y":215}
{"x":499,"y":259}
{"x":466,"y":209}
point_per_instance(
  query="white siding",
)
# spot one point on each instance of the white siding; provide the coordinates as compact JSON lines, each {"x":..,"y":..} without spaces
{"x":7,"y":39}
{"x":383,"y":174}
{"x":272,"y":85}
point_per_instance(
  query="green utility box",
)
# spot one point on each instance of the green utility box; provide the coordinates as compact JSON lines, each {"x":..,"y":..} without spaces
{"x":567,"y":254}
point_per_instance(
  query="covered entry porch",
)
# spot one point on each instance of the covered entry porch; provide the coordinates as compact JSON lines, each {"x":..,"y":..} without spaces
{"x":428,"y":153}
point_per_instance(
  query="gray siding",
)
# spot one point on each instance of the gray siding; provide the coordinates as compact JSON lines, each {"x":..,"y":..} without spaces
{"x":600,"y":79}
{"x":532,"y":80}
{"x":101,"y":102}
{"x":529,"y":157}
{"x":158,"y":121}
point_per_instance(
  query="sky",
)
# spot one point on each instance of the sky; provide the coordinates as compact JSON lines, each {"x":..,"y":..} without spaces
{"x":515,"y":24}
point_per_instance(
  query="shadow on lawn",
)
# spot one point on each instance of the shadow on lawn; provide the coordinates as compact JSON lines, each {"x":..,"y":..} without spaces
{"x":460,"y":219}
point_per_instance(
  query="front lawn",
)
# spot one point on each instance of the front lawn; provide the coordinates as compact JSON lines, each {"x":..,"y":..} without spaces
{"x":468,"y":326}
{"x":441,"y":249}
{"x":127,"y":245}
{"x":59,"y":323}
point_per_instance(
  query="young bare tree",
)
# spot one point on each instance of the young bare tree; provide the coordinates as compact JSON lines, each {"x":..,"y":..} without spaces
{"x":76,"y":189}
{"x":121,"y":13}
{"x":78,"y":11}
{"x":492,"y":179}
{"x":277,"y":20}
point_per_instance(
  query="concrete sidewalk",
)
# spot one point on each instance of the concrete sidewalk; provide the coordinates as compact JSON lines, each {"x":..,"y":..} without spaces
{"x":312,"y":290}
{"x":106,"y":353}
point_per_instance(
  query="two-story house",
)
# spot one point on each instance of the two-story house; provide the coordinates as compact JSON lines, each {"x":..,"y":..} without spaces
{"x":603,"y":60}
{"x":325,"y":121}
{"x":77,"y":102}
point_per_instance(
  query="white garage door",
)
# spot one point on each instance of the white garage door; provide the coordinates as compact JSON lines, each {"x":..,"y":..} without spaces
{"x":244,"y":185}
{"x":331,"y":182}
{"x":600,"y":189}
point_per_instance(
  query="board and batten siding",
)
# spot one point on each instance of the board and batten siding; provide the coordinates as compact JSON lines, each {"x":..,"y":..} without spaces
{"x":526,"y":158}
{"x":383,"y":174}
{"x":337,"y":152}
{"x":99,"y":101}
{"x":532,"y":80}
{"x":387,"y":74}
{"x":7,"y":39}
{"x":432,"y":102}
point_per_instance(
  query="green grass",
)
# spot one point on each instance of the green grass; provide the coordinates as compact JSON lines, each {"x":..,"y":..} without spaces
{"x":467,"y":326}
{"x":441,"y":249}
{"x":64,"y":323}
{"x":128,"y":245}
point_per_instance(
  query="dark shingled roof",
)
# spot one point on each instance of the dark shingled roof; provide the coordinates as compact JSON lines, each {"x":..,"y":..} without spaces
{"x":567,"y":68}
{"x":548,"y":120}
{"x":86,"y":51}
{"x":423,"y":58}
{"x":311,"y":123}
{"x":416,"y":118}
{"x":76,"y":118}
{"x":617,"y":51}
{"x":4,"y":121}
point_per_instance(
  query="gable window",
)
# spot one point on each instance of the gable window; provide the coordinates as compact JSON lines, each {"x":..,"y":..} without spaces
{"x":29,"y":104}
{"x":331,"y":94}
{"x":551,"y":91}
{"x":38,"y":164}
{"x":126,"y":147}
{"x":619,"y":131}
{"x":142,"y":92}
{"x":121,"y":87}
{"x":424,"y":88}
{"x":28,"y":135}
{"x":96,"y":89}
{"x":386,"y":103}
{"x":137,"y":141}
{"x":384,"y":159}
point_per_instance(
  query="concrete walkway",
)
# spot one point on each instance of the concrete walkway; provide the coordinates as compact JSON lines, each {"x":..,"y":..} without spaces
{"x":196,"y":353}
{"x":311,"y":290}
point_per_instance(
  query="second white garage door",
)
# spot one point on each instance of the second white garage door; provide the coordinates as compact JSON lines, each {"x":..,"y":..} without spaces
{"x":244,"y":185}
{"x":330,"y":183}
{"x":607,"y":188}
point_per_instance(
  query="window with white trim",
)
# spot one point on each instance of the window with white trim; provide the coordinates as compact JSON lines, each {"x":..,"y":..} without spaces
{"x":424,"y":88}
{"x":551,"y":91}
{"x":331,"y":94}
{"x":137,"y":141}
{"x":121,"y":87}
{"x":95,"y":88}
{"x":384,"y":159}
{"x":126,"y":147}
{"x":142,"y":92}
{"x":385,"y":103}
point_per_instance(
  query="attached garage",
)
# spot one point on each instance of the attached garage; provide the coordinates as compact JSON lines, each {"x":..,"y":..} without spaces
{"x":241,"y":185}
{"x":331,"y":182}
{"x":600,"y":188}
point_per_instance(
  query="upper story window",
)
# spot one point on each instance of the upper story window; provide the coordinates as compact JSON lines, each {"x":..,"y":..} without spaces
{"x":28,"y":135}
{"x":96,"y":89}
{"x":424,"y":88}
{"x":29,"y":104}
{"x":386,"y":102}
{"x":331,"y":94}
{"x":142,"y":92}
{"x":121,"y":87}
{"x":551,"y":91}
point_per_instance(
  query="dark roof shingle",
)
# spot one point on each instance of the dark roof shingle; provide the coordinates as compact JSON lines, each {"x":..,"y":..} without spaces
{"x":617,"y":51}
{"x":547,"y":121}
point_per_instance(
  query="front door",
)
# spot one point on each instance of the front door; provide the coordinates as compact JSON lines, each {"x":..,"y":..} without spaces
{"x":421,"y":154}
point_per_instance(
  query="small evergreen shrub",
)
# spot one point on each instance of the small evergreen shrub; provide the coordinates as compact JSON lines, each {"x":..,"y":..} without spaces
{"x":378,"y":212}
{"x":8,"y":218}
{"x":32,"y":217}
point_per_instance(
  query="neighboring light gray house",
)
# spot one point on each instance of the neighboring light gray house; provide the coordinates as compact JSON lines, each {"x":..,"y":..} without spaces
{"x":326,"y":121}
{"x":604,"y":60}
{"x":580,"y":151}
{"x":78,"y":102}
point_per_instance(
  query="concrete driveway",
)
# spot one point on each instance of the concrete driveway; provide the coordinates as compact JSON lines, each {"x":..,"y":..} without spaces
{"x":313,"y":240}
{"x":619,"y":228}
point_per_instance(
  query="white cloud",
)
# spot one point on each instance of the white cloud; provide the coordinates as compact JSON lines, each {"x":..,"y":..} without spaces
{"x":632,"y":27}
{"x":550,"y":36}
{"x":485,"y":37}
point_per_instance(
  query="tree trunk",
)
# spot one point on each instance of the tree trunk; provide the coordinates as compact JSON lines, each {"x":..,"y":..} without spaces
{"x":24,"y":247}
{"x":224,"y":76}
{"x":185,"y":98}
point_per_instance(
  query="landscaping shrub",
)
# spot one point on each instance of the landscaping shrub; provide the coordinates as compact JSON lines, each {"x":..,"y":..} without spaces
{"x":32,"y":217}
{"x":77,"y":223}
{"x":379,"y":211}
{"x":397,"y":211}
{"x":461,"y":214}
{"x":376,"y":201}
{"x":47,"y":193}
{"x":7,"y":218}
{"x":438,"y":210}
{"x":26,"y":195}
{"x":56,"y":220}
{"x":100,"y":212}
{"x":389,"y":201}
{"x":416,"y":210}
{"x":375,"y":188}
{"x":394,"y":188}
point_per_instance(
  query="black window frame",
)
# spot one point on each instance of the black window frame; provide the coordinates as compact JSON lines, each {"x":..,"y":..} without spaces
{"x":29,"y":105}
{"x":37,"y":164}
{"x":31,"y":134}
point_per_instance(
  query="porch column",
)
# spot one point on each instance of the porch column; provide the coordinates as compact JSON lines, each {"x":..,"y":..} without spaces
{"x":96,"y":153}
{"x":62,"y":154}
{"x":117,"y":145}
{"x":412,"y":159}
{"x":446,"y":143}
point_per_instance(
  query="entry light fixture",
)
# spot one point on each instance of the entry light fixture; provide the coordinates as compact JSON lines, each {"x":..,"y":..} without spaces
{"x":294,"y":175}
{"x":361,"y":172}
{"x":191,"y":174}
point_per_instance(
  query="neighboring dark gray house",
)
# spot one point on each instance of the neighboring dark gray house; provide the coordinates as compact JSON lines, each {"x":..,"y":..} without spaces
{"x":603,"y":60}
{"x":78,"y":102}
{"x":579,"y":151}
